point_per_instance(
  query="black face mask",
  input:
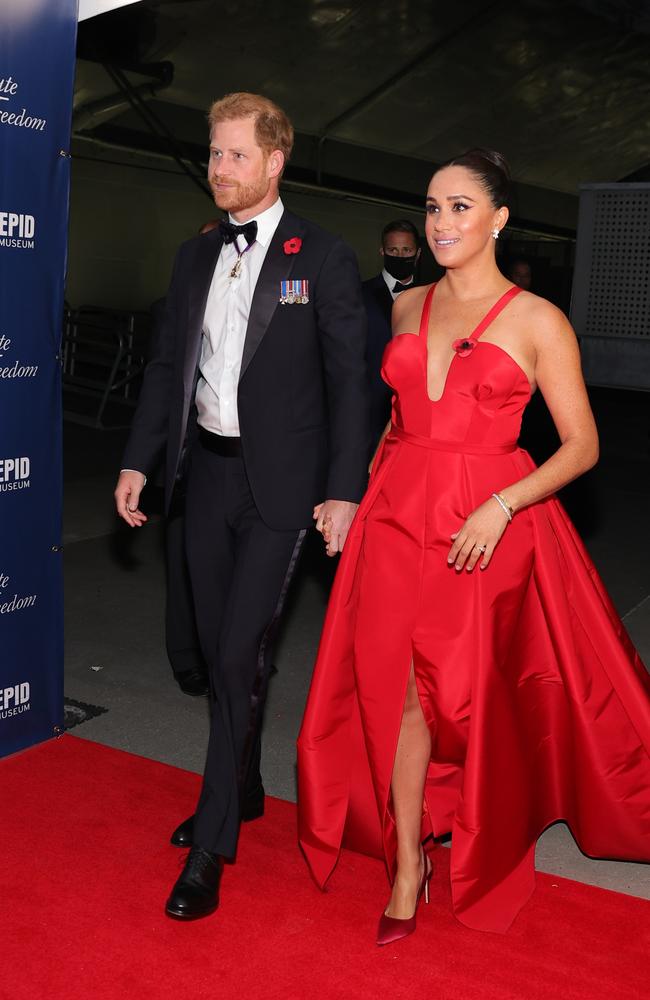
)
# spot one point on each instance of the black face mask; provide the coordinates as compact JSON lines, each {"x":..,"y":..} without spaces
{"x":400,"y":268}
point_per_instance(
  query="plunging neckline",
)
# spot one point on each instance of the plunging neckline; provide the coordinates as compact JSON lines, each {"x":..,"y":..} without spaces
{"x":473,"y":338}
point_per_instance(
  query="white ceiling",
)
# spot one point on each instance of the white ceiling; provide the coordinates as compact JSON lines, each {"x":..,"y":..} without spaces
{"x":91,"y":8}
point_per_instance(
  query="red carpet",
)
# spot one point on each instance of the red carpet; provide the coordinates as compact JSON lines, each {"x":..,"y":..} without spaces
{"x":86,"y":869}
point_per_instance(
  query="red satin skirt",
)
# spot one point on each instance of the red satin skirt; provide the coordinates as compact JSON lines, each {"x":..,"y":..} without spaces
{"x":537,"y":703}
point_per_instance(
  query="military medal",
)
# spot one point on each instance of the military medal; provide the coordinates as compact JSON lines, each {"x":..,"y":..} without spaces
{"x":236,"y":268}
{"x":294,"y":292}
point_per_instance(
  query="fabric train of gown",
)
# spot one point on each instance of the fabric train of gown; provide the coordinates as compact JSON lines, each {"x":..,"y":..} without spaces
{"x":537,"y":703}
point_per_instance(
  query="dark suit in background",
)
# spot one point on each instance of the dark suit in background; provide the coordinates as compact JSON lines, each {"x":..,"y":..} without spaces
{"x":379,"y":303}
{"x":400,"y":254}
{"x":302,"y":407}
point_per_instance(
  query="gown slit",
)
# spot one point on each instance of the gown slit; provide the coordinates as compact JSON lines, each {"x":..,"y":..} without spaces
{"x":537,"y":703}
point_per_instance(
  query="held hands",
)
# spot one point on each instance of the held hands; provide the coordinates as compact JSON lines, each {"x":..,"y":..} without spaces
{"x":478,"y":537}
{"x":127,"y":496}
{"x":333,"y":519}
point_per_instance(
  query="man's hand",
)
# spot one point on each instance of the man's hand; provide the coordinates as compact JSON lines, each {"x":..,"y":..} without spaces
{"x":127,"y":496}
{"x":333,"y":519}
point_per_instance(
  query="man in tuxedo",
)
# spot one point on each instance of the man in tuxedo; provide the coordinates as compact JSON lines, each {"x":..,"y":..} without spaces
{"x":258,"y":394}
{"x":400,"y":252}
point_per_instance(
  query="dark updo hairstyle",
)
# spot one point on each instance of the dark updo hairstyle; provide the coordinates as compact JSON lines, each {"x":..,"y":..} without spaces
{"x":490,"y":169}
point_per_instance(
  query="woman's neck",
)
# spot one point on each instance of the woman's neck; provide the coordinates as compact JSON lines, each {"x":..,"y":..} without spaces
{"x":478,"y":279}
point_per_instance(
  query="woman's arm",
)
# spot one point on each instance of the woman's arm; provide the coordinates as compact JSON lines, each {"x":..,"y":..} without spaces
{"x":558,"y":375}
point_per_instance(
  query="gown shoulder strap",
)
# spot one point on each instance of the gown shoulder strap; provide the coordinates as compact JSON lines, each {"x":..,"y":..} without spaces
{"x":494,"y":311}
{"x":426,"y":310}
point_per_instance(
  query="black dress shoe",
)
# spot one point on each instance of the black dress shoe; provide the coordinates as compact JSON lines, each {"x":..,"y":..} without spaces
{"x":183,"y":834}
{"x":253,"y":808}
{"x":193,"y":682}
{"x":196,"y":892}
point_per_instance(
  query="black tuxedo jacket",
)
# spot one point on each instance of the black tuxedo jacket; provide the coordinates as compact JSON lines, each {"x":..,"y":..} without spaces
{"x":302,"y":397}
{"x":379,"y":304}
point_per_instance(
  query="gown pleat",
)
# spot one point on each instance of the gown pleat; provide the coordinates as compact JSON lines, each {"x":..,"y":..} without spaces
{"x":537,"y":703}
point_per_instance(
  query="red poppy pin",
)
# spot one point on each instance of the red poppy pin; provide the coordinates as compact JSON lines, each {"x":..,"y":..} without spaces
{"x":293,"y":245}
{"x":464,"y":347}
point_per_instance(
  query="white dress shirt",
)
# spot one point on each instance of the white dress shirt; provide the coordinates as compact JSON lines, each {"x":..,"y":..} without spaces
{"x":224,"y":325}
{"x":390,"y":283}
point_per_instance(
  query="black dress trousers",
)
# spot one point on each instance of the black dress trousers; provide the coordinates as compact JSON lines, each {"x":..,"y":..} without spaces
{"x":240,"y":571}
{"x":181,"y":635}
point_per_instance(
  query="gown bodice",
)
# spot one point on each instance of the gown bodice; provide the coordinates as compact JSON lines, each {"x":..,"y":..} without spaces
{"x":485,"y":392}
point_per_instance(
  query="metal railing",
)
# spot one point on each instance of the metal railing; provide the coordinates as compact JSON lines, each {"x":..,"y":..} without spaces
{"x":104,"y":355}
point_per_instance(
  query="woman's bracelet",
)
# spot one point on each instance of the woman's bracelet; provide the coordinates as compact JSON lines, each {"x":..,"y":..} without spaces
{"x":504,"y":505}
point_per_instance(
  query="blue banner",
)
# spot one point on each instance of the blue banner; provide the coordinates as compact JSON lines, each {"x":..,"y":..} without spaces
{"x":37,"y":60}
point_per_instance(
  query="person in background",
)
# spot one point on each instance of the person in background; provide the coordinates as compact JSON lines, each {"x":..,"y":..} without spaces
{"x":208,"y":226}
{"x":400,"y":253}
{"x":520,"y":273}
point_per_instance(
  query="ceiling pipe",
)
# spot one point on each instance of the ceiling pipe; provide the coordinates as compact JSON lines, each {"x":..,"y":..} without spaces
{"x":96,"y":113}
{"x":158,"y":128}
{"x":516,"y":227}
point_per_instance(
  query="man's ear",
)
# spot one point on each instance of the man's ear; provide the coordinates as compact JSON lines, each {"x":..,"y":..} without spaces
{"x":275,"y":163}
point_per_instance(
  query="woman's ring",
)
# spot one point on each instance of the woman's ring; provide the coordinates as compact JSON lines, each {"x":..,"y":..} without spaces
{"x":481,"y":548}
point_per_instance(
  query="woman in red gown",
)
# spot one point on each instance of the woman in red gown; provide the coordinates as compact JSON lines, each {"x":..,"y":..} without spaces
{"x":473,"y":676}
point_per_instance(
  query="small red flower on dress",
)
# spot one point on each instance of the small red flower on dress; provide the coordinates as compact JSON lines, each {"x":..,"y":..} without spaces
{"x":464,"y":347}
{"x":293,"y":245}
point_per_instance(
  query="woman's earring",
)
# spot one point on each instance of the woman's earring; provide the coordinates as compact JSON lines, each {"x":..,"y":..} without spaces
{"x":495,"y":233}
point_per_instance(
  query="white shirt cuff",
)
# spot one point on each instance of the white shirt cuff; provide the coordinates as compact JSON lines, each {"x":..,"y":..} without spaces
{"x":136,"y":470}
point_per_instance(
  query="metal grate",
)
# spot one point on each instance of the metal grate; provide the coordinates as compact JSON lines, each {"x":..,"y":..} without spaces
{"x":610,"y":305}
{"x":619,"y":288}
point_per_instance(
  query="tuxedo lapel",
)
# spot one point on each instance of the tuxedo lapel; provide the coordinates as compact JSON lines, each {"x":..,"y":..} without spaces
{"x":208,"y":251}
{"x":276,"y":267}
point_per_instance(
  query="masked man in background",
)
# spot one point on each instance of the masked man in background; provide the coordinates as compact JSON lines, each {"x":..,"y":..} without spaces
{"x":400,"y":252}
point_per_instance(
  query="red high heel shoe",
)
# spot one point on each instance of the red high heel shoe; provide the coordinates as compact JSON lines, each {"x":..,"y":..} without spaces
{"x":392,"y":929}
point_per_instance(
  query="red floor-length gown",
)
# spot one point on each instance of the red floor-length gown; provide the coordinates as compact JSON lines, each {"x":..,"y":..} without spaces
{"x":537,"y":703}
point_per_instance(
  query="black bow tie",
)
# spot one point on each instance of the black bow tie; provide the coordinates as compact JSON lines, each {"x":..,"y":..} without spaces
{"x":230,"y":232}
{"x":399,"y":287}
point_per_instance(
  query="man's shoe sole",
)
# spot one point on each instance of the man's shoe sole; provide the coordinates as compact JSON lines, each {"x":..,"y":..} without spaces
{"x":184,"y":915}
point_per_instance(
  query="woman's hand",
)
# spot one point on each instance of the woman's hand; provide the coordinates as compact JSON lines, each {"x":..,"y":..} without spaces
{"x":333,"y":519}
{"x":478,"y":537}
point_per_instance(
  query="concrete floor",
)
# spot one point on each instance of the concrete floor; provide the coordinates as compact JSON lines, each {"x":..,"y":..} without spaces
{"x":115,"y":655}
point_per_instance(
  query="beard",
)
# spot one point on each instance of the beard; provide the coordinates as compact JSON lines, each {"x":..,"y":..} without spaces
{"x":239,"y":197}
